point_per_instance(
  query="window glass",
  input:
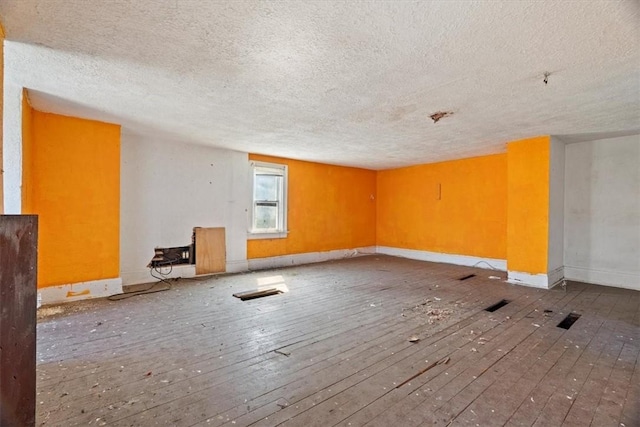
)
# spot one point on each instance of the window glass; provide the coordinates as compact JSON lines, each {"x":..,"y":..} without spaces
{"x":268,"y":213}
{"x":266,"y":187}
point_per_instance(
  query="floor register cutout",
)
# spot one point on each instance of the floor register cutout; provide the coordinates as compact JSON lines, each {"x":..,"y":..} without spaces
{"x":497,"y":305}
{"x":568,"y":321}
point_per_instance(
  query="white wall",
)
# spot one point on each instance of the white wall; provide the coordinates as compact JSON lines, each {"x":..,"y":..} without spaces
{"x":12,"y":147}
{"x":602,"y":212}
{"x":167,"y":188}
{"x":555,"y":261}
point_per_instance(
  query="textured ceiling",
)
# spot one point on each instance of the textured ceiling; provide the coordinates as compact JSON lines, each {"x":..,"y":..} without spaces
{"x":350,"y":82}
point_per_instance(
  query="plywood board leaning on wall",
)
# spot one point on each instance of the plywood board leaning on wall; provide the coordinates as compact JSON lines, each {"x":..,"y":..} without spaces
{"x":211,"y":251}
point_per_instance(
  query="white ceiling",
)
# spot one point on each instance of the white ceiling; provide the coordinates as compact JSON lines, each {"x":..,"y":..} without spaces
{"x":349,"y":82}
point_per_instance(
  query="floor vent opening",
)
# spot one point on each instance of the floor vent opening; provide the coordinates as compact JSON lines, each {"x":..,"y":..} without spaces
{"x":467,"y":277}
{"x":568,"y":321}
{"x":497,"y":305}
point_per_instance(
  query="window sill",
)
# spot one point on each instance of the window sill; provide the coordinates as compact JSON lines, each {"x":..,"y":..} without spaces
{"x":267,"y":235}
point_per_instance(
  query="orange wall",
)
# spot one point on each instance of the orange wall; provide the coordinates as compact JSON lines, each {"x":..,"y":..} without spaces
{"x":528,"y":205}
{"x":470,"y":218}
{"x":71,"y":179}
{"x":329,"y":207}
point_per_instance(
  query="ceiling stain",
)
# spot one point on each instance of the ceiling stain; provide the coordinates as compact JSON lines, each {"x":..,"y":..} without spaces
{"x":398,"y":113}
{"x":440,"y":115}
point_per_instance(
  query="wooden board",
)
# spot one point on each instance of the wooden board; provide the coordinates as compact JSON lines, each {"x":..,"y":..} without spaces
{"x":18,"y":276}
{"x":211,"y":254}
{"x":247,"y":295}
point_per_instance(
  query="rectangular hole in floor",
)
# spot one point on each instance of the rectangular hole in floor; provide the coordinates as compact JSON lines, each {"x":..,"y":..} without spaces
{"x":467,"y":277}
{"x":568,"y":321}
{"x":497,"y":305}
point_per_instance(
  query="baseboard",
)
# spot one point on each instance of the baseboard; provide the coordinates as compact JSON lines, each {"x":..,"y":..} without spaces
{"x":469,"y":261}
{"x":307,"y":258}
{"x":237,"y":266}
{"x":528,"y":279}
{"x":555,"y":276}
{"x":79,"y":291}
{"x":627,"y":280}
{"x":542,"y":281}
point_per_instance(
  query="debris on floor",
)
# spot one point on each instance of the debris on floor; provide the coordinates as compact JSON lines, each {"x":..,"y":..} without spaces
{"x":438,"y":314}
{"x":433,"y":314}
{"x":55,"y":311}
{"x":48,"y":311}
{"x":282,"y":403}
{"x":414,"y":339}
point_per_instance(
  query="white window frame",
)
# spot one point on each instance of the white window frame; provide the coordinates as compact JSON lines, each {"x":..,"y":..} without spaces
{"x":281,"y":231}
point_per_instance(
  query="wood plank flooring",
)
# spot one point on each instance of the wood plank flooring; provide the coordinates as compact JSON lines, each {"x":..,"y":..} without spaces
{"x":334,"y":350}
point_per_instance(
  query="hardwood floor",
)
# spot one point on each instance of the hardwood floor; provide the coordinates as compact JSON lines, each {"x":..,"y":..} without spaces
{"x":335,"y":350}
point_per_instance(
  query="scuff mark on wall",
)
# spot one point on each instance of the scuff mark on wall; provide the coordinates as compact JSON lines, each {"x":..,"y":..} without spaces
{"x":71,"y":294}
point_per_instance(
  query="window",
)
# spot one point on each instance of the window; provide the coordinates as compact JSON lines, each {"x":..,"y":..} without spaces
{"x":269,"y":202}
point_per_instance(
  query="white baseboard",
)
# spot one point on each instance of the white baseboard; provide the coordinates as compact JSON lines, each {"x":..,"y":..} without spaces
{"x":542,"y":281}
{"x":470,"y":261}
{"x":527,"y":279}
{"x":555,"y":276}
{"x":237,"y":266}
{"x":307,"y":258}
{"x":627,"y":280}
{"x":80,"y":291}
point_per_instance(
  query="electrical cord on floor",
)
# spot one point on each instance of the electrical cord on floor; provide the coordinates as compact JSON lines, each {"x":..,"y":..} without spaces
{"x":485,"y":262}
{"x":162,"y":275}
{"x":151,"y":289}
